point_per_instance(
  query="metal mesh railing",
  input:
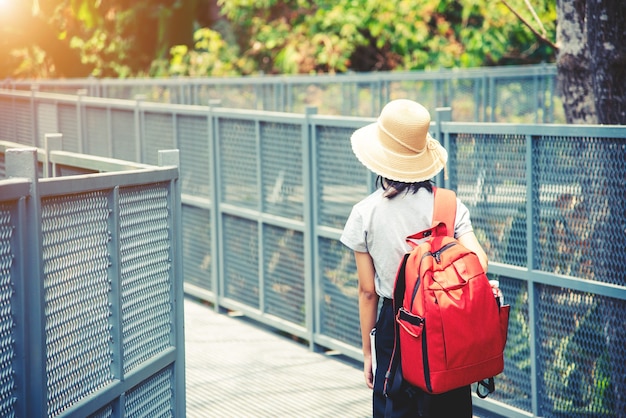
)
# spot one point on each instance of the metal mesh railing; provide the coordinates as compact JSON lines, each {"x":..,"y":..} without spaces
{"x":516,"y":94}
{"x":551,"y":202}
{"x":284,"y":278}
{"x":90,"y":288}
{"x":266,"y":195}
{"x":8,"y":328}
{"x":145,"y":263}
{"x":75,"y":232}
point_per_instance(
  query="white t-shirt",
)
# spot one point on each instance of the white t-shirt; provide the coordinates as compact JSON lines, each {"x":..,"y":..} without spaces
{"x":379,"y":226}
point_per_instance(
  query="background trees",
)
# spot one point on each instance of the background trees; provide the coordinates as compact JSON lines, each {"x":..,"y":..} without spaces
{"x":69,"y":38}
{"x":122,"y":38}
{"x":77,"y":38}
{"x":299,"y":36}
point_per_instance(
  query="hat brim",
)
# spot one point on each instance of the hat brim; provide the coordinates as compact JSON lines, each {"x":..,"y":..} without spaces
{"x":393,"y":166}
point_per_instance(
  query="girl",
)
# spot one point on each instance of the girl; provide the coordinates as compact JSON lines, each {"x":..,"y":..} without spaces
{"x":399,"y":149}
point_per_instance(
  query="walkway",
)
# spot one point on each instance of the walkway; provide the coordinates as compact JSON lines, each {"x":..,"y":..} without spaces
{"x":235,"y":368}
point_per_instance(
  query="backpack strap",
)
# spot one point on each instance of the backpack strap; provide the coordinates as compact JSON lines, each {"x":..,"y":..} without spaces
{"x":444,"y":214}
{"x":444,"y":209}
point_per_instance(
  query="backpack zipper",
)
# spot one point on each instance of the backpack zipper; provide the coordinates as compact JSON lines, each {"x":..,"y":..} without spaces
{"x":419,"y":278}
{"x":425,"y":358}
{"x":437,"y":254}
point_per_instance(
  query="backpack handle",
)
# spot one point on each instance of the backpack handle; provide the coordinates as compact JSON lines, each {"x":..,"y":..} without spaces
{"x":444,"y":216}
{"x":439,"y":230}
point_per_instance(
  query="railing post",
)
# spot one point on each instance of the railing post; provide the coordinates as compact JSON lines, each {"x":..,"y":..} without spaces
{"x":443,"y":114}
{"x":532,"y":199}
{"x":52,"y":142}
{"x":309,"y":157}
{"x":485,"y":102}
{"x":80,"y":120}
{"x":552,"y":91}
{"x":492,"y":99}
{"x":22,"y":162}
{"x":172,"y":158}
{"x":34,"y":89}
{"x":139,"y":128}
{"x":216,"y":265}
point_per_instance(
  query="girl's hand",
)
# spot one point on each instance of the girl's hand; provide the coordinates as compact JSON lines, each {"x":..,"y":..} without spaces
{"x":367,"y":371}
{"x":497,"y":293}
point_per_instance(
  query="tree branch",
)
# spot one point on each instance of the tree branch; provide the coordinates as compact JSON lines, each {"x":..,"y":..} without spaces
{"x":532,"y":11}
{"x":541,"y":37}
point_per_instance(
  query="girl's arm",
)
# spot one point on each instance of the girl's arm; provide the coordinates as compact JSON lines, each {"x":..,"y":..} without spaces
{"x":368,"y":306}
{"x":469,"y":241}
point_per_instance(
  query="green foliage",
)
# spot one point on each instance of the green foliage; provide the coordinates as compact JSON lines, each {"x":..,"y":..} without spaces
{"x":73,"y":38}
{"x":122,"y":38}
{"x":211,"y":56}
{"x":297,"y":36}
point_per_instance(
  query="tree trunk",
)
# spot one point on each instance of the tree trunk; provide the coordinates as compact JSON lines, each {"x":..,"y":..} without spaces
{"x":573,"y":63}
{"x":591,"y":65}
{"x":606,"y":32}
{"x":607,"y":46}
{"x":180,"y":26}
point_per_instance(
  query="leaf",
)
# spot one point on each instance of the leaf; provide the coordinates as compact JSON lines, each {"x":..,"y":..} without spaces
{"x":87,"y":12}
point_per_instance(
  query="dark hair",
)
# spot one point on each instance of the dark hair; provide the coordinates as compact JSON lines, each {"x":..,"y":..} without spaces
{"x":392,"y":187}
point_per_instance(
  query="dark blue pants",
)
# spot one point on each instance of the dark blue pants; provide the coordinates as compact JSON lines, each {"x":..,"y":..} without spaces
{"x":411,"y":401}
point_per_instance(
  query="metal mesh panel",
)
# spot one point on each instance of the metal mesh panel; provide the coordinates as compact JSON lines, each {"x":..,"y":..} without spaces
{"x":47,"y":122}
{"x":7,"y":128}
{"x":268,"y":97}
{"x":126,"y":92}
{"x":344,"y":98}
{"x":232,"y":96}
{"x":238,"y":162}
{"x":68,"y":126}
{"x":284,"y":273}
{"x":23,"y":122}
{"x":197,"y":246}
{"x":76,"y":259}
{"x":64,"y":170}
{"x":300,"y":96}
{"x":123,"y":134}
{"x":153,"y":397}
{"x":489,"y":172}
{"x":342,"y":180}
{"x":423,"y":91}
{"x":583,"y":207}
{"x":582,"y":362}
{"x":339,"y":305}
{"x":281,"y":153}
{"x":145,"y":269}
{"x":465,"y":98}
{"x":517,"y":100}
{"x":513,"y":385}
{"x":195,"y":156}
{"x":158,"y":135}
{"x":241,"y":260}
{"x":364,"y":101}
{"x":97,"y":131}
{"x":8,"y":395}
{"x":105,"y":412}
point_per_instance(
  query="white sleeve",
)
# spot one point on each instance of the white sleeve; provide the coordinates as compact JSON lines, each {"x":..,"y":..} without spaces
{"x":353,"y":235}
{"x":462,"y":223}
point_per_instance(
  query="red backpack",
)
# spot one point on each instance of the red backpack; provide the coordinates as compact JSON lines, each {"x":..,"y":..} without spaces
{"x":450,"y":329}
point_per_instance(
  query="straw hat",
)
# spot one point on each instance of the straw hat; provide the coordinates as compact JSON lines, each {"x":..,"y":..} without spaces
{"x":398,"y":146}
